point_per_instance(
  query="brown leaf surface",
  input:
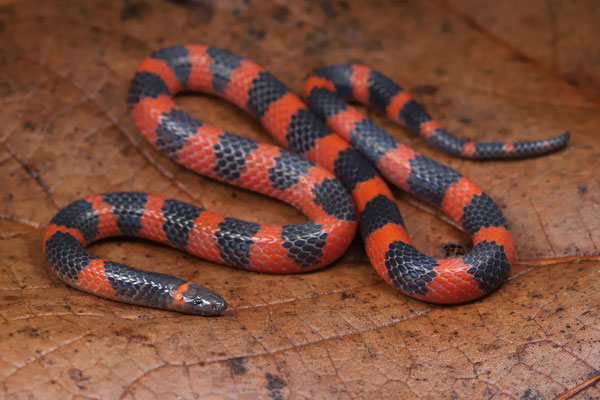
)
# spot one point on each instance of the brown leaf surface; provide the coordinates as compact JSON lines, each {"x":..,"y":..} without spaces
{"x":486,"y":69}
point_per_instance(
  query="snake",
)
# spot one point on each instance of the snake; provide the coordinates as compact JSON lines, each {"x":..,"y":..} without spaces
{"x":332,"y":171}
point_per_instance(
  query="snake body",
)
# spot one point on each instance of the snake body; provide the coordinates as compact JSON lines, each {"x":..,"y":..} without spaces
{"x":330,"y":177}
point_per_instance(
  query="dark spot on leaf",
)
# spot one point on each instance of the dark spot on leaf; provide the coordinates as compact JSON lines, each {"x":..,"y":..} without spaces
{"x":281,"y":14}
{"x":582,"y":189}
{"x":520,"y":57}
{"x":256,"y":33}
{"x":327,"y":8}
{"x":29,"y":331}
{"x":131,"y":336}
{"x":374,"y":44}
{"x":132,"y":10}
{"x":187,"y":3}
{"x":274,"y":386}
{"x":439,"y":71}
{"x":528,"y":395}
{"x":347,"y":296}
{"x":572,"y":81}
{"x":238,"y":366}
{"x":77,"y":376}
{"x":593,"y":374}
{"x":317,"y":43}
{"x":446,"y":27}
{"x":205,"y":9}
{"x":425,"y":89}
{"x":471,"y":23}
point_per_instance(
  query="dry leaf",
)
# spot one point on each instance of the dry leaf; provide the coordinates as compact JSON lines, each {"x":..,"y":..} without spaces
{"x":485,"y":69}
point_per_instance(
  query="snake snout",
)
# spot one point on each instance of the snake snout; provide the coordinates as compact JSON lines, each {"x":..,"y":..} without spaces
{"x":204,"y":302}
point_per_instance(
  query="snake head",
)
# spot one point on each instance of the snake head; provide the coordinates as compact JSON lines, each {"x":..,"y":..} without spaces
{"x":199,"y":300}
